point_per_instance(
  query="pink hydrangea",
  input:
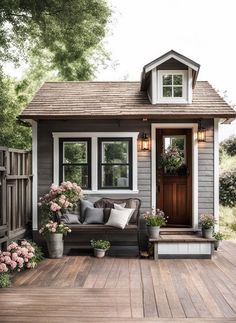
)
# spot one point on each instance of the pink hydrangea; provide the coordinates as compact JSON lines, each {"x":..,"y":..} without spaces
{"x":3,"y":268}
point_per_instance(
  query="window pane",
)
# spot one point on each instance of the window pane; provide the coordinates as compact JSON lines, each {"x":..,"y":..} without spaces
{"x":115,"y":152}
{"x":178,"y":79}
{"x":115,"y":176}
{"x":77,"y":174}
{"x":167,"y":91}
{"x":75,"y":152}
{"x":178,"y":92}
{"x":179,"y":142}
{"x":167,"y":79}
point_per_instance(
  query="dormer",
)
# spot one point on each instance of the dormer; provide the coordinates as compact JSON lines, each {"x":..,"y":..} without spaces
{"x":170,"y":79}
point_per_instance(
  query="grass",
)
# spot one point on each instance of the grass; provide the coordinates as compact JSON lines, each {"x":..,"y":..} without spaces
{"x":228,"y":222}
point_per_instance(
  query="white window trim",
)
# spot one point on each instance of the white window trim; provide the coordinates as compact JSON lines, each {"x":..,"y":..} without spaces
{"x":194,"y":127}
{"x":184,"y":98}
{"x":94,"y":158}
{"x":216,"y":173}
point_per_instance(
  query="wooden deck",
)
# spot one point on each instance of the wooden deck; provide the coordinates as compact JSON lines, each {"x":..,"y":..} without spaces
{"x":85,"y":289}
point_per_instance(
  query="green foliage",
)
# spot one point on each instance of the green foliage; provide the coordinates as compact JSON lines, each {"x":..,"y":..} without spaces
{"x":5,"y":280}
{"x":155,"y":219}
{"x":218,"y":236}
{"x":100,"y":244}
{"x":38,"y":254}
{"x":229,"y":145}
{"x":228,"y":221}
{"x":71,"y":30}
{"x":12,"y":133}
{"x":228,"y":188}
{"x":58,"y":39}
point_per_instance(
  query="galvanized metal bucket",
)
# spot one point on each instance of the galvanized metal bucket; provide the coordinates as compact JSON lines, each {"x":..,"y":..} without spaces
{"x":55,"y":245}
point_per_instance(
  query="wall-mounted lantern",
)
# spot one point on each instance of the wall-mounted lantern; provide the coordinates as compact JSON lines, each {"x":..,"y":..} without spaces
{"x":145,"y":142}
{"x":201,"y":134}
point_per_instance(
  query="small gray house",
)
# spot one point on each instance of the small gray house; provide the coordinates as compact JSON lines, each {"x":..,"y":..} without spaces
{"x":76,"y":124}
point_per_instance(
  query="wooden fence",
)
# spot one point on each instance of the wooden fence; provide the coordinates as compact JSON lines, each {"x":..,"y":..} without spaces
{"x":15,"y":193}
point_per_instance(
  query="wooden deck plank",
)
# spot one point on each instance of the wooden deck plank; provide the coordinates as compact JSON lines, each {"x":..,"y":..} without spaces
{"x":176,"y":272}
{"x":124,"y":290}
{"x":159,"y":290}
{"x":149,"y":302}
{"x":172,"y":296}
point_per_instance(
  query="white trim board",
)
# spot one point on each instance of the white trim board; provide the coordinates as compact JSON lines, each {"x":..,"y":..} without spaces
{"x":194,"y":127}
{"x":94,"y":149}
{"x":35,"y":175}
{"x":216,"y":173}
{"x":164,"y":59}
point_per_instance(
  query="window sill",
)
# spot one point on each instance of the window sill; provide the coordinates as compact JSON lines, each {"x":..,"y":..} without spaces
{"x":90,"y":192}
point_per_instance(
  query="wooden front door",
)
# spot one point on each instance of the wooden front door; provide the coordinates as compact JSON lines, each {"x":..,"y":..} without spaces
{"x":174,"y":191}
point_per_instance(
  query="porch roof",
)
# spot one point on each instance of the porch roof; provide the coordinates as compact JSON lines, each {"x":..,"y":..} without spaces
{"x":84,"y":99}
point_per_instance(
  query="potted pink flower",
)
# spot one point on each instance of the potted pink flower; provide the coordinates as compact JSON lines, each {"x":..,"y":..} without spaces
{"x":54,"y":231}
{"x":53,"y":205}
{"x":59,"y":199}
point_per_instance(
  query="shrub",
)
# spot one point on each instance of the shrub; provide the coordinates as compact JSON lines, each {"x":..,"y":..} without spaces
{"x":4,"y":280}
{"x":218,"y":236}
{"x":229,"y":145}
{"x":228,"y":188}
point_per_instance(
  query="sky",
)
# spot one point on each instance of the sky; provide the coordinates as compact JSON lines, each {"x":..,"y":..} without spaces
{"x":203,"y":30}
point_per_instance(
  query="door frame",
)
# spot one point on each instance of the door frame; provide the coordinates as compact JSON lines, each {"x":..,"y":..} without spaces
{"x":194,"y":127}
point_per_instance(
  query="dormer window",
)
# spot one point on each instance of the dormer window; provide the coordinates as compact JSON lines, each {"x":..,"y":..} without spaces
{"x":172,"y":86}
{"x":170,"y":79}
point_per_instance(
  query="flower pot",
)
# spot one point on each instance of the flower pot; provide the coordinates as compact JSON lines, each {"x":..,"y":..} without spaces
{"x":99,"y":253}
{"x":55,"y":245}
{"x":153,"y":232}
{"x":207,"y":233}
{"x":217,"y":244}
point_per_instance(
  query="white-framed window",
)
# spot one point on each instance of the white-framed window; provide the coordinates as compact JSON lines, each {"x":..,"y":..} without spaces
{"x":172,"y":86}
{"x":85,"y":157}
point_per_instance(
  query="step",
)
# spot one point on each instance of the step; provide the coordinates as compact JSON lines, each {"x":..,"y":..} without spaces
{"x":178,"y":231}
{"x":182,"y":246}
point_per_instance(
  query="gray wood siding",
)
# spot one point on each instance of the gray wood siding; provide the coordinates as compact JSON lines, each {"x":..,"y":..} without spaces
{"x":206,"y":170}
{"x":205,"y":158}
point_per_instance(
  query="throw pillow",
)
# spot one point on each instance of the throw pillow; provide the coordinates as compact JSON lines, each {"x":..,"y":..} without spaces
{"x":83,"y":205}
{"x":93,"y":216}
{"x":119,"y":218}
{"x":121,"y":207}
{"x":70,"y":218}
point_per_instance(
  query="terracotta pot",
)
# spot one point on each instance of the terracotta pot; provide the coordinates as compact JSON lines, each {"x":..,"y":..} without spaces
{"x":99,"y":253}
{"x":207,"y":233}
{"x":153,"y":232}
{"x":55,"y":245}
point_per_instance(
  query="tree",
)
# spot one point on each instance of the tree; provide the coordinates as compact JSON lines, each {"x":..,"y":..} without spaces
{"x":70,"y":30}
{"x":59,"y":40}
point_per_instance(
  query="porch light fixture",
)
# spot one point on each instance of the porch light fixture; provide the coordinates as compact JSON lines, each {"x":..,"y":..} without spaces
{"x":201,"y":134}
{"x":145,"y":142}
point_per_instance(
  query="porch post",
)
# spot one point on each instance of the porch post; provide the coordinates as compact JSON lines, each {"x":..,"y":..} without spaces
{"x":35,"y":175}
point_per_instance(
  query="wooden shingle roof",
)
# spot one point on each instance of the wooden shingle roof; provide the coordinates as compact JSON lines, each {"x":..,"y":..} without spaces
{"x":119,"y":100}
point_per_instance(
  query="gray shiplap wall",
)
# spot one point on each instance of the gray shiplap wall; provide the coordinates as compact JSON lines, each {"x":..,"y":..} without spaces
{"x":206,"y":156}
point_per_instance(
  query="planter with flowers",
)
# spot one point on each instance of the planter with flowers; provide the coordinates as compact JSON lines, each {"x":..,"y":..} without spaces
{"x":53,"y":205}
{"x":218,"y":237}
{"x":100,"y":247}
{"x":171,"y":160}
{"x":53,"y":232}
{"x":207,"y":223}
{"x":154,"y":221}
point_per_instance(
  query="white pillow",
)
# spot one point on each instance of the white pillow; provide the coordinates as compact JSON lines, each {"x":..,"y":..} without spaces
{"x":121,"y":207}
{"x":119,"y":218}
